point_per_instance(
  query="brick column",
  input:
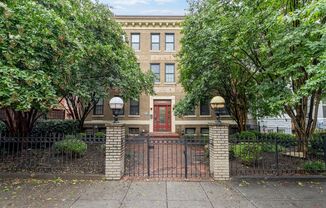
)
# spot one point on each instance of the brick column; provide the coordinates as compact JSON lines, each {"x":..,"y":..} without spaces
{"x":115,"y":151}
{"x":219,"y":151}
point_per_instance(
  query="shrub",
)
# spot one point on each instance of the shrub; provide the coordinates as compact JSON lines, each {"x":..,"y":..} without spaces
{"x":100,"y":134}
{"x":286,"y":140}
{"x":2,"y":127}
{"x":244,"y":136}
{"x":71,"y":145}
{"x":314,"y":166}
{"x":44,"y":127}
{"x":248,"y":153}
{"x":82,"y":135}
{"x":316,"y":144}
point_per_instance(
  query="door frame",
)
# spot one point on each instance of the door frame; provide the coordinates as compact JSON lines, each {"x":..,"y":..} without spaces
{"x":168,"y":118}
{"x":151,"y":103}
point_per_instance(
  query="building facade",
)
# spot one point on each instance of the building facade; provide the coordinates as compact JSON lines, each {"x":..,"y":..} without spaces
{"x":156,"y":42}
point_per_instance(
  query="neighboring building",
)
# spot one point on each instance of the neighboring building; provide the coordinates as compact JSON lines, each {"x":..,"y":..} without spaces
{"x":156,"y":42}
{"x":284,"y":123}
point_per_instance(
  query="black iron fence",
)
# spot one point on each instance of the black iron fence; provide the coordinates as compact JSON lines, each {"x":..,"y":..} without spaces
{"x":185,"y":157}
{"x":52,"y":154}
{"x":274,"y":156}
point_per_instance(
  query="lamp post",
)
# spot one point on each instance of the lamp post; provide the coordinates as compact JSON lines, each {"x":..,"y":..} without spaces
{"x":116,"y":105}
{"x":217,"y":103}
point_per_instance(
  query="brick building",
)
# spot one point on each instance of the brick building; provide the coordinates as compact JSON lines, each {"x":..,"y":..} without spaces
{"x":156,"y":42}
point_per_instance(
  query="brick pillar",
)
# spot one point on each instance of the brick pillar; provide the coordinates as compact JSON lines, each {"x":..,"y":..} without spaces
{"x":115,"y":151}
{"x":219,"y":151}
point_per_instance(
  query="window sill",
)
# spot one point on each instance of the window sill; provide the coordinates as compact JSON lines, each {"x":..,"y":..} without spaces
{"x":155,"y":51}
{"x":98,"y":116}
{"x":170,"y":83}
{"x":134,"y":116}
{"x":170,"y":51}
{"x":190,"y":116}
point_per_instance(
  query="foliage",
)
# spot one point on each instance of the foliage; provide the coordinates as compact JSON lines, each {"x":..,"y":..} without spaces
{"x":54,"y":49}
{"x":2,"y":127}
{"x":248,"y":153}
{"x":314,"y":166}
{"x":71,"y":145}
{"x":105,"y":63}
{"x":276,"y":50}
{"x":316,"y":144}
{"x":44,"y":127}
{"x":245,"y":135}
{"x":100,"y":134}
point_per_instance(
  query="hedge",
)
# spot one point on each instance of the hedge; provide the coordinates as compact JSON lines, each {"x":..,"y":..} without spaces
{"x":44,"y":127}
{"x":2,"y":127}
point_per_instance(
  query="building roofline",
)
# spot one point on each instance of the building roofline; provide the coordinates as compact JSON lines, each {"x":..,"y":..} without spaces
{"x":167,"y":17}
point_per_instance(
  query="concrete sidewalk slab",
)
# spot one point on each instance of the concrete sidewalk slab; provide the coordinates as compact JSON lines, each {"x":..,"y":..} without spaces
{"x":129,"y":194}
{"x":147,"y":191}
{"x":184,"y":191}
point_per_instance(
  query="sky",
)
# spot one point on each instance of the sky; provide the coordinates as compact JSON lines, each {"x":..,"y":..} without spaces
{"x":147,"y":7}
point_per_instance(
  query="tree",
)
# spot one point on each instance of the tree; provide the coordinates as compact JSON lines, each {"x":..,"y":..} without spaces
{"x":106,"y":62}
{"x":208,"y":65}
{"x":78,"y":48}
{"x":280,"y":44}
{"x":33,"y":42}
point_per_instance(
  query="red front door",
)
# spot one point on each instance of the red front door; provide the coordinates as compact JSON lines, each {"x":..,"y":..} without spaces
{"x":162,"y":116}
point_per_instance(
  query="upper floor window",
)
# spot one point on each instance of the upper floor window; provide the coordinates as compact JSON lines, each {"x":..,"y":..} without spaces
{"x":169,"y":73}
{"x":169,"y":42}
{"x":156,"y":71}
{"x":205,"y":108}
{"x":155,"y":41}
{"x":135,"y":41}
{"x":134,"y":107}
{"x":99,"y":107}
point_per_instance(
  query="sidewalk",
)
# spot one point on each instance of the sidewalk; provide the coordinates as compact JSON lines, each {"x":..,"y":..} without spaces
{"x":127,"y":194}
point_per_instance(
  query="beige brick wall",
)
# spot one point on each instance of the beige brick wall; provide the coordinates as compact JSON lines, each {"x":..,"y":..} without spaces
{"x":219,"y":151}
{"x":115,"y":151}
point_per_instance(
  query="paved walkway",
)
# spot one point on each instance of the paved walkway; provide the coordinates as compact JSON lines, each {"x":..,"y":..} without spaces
{"x":127,"y":194}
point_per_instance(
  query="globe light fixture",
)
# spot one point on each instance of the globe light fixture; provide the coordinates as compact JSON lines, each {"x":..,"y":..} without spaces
{"x":217,"y":103}
{"x":116,"y":105}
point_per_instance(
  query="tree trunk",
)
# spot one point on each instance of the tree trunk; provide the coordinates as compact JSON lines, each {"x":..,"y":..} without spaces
{"x":21,"y":123}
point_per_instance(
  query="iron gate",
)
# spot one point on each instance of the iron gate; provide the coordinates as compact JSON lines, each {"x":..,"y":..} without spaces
{"x":185,"y":157}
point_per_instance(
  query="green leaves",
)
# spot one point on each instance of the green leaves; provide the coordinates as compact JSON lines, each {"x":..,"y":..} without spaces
{"x":50,"y":49}
{"x":23,"y":89}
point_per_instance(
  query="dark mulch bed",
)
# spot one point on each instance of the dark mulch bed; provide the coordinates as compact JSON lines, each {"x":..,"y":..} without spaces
{"x":48,"y":161}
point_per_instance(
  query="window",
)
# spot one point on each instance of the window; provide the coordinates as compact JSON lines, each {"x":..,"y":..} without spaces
{"x":204,"y":131}
{"x":133,"y":130}
{"x":134,"y":107}
{"x":189,"y":131}
{"x":98,"y":108}
{"x":169,"y":42}
{"x":135,"y":41}
{"x":169,"y":73}
{"x":156,"y":71}
{"x":155,"y":41}
{"x":205,"y":108}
